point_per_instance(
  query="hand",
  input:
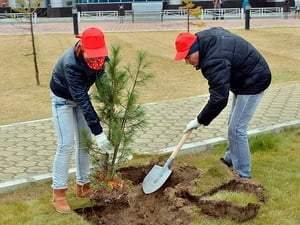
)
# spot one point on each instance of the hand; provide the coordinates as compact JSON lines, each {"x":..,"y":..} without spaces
{"x":193,"y":124}
{"x":103,"y":143}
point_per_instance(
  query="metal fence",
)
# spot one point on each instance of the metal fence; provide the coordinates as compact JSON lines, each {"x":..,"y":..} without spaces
{"x":206,"y":14}
{"x":237,"y":13}
{"x":226,"y":13}
{"x":97,"y":15}
{"x":173,"y":14}
{"x":266,"y":12}
{"x":18,"y":17}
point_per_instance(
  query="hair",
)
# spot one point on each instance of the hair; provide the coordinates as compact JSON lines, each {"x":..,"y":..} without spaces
{"x":78,"y":49}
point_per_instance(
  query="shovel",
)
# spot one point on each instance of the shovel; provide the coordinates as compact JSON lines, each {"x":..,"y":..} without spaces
{"x":158,"y":175}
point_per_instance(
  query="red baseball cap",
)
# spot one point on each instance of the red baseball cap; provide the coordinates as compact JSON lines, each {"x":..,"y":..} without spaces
{"x":93,"y":42}
{"x":183,"y":43}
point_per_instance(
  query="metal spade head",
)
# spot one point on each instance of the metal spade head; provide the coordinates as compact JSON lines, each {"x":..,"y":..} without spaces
{"x":156,"y":178}
{"x":158,"y":175}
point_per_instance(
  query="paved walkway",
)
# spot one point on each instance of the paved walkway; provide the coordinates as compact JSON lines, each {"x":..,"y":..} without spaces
{"x":63,"y":26}
{"x":27,"y":149}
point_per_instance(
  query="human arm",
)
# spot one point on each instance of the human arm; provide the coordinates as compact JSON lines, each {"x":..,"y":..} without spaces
{"x":78,"y":80}
{"x":217,"y":72}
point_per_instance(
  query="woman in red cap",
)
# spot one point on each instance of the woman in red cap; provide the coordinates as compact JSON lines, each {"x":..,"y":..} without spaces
{"x":73,"y":75}
{"x":229,"y":63}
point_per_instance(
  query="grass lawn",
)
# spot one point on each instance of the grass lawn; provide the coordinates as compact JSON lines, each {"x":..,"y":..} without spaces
{"x":276,"y":166}
{"x":22,"y":100}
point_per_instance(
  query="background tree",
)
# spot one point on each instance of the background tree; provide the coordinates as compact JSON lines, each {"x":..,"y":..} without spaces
{"x":118,"y":107}
{"x":192,"y":10}
{"x":29,"y":8}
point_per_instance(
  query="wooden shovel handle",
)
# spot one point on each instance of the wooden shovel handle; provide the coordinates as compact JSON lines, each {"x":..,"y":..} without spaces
{"x":180,"y":144}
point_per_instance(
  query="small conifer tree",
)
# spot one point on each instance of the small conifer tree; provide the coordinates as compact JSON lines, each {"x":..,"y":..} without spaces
{"x":118,"y":108}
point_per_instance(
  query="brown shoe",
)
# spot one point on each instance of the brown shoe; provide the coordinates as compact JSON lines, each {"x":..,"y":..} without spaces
{"x":83,"y":191}
{"x":59,"y":201}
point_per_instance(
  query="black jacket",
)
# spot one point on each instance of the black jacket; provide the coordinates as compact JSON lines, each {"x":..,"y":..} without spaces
{"x":229,"y":63}
{"x":72,"y":79}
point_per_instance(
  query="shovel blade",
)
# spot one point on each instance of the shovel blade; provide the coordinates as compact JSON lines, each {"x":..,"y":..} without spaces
{"x":155,"y":178}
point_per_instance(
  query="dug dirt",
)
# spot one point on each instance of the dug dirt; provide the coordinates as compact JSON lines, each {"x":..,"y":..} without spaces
{"x":174,"y":203}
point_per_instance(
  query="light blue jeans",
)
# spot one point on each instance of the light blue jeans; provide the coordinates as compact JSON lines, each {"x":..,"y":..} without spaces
{"x":238,"y":152}
{"x":69,"y":123}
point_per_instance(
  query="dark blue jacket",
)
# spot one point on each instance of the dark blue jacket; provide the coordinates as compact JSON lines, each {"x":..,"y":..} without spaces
{"x":72,"y":79}
{"x":229,"y":63}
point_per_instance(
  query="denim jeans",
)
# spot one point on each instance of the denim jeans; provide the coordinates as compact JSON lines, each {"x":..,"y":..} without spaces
{"x":69,"y":123}
{"x":238,"y":152}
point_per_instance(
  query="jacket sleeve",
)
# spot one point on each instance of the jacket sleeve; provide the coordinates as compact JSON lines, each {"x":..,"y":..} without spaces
{"x":79,"y":93}
{"x":217,"y":72}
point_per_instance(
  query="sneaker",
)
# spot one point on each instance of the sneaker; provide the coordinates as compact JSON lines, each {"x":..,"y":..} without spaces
{"x":244,"y":177}
{"x":225,"y":162}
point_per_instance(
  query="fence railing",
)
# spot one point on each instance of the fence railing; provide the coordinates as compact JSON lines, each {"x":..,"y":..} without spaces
{"x":206,"y":14}
{"x":266,"y":12}
{"x":18,"y":17}
{"x":175,"y":13}
{"x":226,"y":13}
{"x":97,"y":15}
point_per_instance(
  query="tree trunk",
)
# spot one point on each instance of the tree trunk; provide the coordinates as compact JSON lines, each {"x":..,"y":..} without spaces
{"x":37,"y":78}
{"x":188,"y":20}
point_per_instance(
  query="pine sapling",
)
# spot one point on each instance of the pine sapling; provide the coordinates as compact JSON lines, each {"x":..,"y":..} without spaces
{"x":118,"y":108}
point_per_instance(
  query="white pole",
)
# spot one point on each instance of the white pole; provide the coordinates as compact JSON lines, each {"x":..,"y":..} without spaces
{"x":78,"y":17}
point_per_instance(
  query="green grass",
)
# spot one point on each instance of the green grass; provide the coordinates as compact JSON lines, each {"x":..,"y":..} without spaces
{"x":276,"y":168}
{"x":238,"y":198}
{"x":264,"y":143}
{"x":32,"y":206}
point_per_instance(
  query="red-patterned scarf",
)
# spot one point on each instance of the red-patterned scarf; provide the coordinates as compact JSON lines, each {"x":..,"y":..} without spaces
{"x":96,"y":65}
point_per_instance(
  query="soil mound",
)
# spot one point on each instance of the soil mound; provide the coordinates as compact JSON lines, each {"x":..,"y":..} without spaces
{"x":174,"y":203}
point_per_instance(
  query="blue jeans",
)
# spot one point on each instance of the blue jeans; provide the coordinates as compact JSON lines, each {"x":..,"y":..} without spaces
{"x":69,"y":123}
{"x":238,"y":152}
